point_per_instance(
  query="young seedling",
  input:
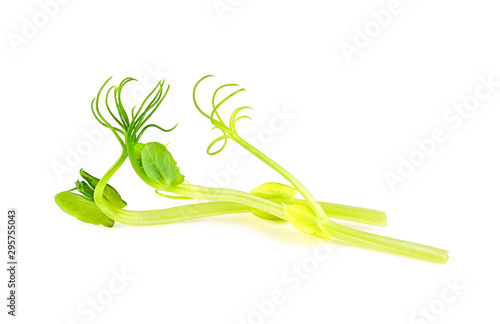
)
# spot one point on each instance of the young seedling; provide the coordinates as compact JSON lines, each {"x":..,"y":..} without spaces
{"x":155,"y":165}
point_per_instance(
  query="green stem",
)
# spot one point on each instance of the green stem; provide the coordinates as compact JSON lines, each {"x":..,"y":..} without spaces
{"x":176,"y":214}
{"x":350,"y":213}
{"x":384,"y":243}
{"x":106,"y":207}
{"x":336,"y":230}
{"x":198,"y":210}
{"x":229,"y":195}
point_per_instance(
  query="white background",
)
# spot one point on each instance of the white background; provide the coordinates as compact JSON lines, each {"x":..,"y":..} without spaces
{"x":352,"y":121}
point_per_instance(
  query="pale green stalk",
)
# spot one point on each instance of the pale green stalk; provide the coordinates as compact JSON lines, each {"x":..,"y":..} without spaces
{"x":207,"y":209}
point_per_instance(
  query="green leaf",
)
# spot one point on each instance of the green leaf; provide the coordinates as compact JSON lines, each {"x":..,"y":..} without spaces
{"x":274,"y":190}
{"x":84,"y":188}
{"x":109,"y":193}
{"x":305,"y":220}
{"x":277,"y":192}
{"x":159,"y":165}
{"x":82,"y":209}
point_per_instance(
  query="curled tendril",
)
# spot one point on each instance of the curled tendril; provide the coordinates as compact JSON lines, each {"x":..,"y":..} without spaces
{"x":129,"y":128}
{"x":234,"y":117}
{"x":155,"y":126}
{"x":215,"y":141}
{"x":216,"y":119}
